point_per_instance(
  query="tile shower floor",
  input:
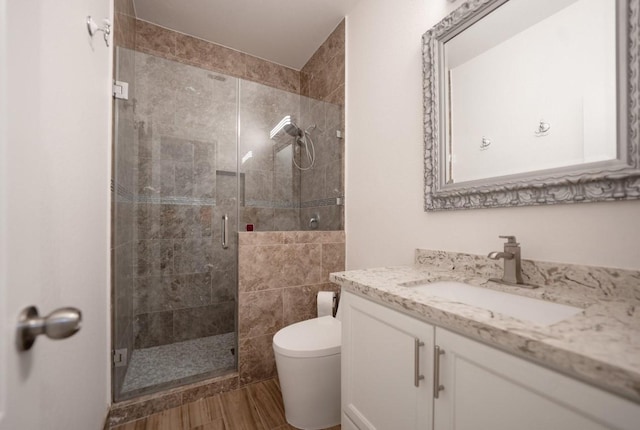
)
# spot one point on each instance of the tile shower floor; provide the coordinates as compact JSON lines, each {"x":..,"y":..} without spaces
{"x":180,"y":360}
{"x":254,"y":407}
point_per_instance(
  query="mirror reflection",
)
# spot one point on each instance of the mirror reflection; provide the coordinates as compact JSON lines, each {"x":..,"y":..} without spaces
{"x":530,"y":87}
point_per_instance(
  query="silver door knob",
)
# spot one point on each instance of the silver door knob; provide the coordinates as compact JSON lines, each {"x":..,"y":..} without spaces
{"x":59,"y":324}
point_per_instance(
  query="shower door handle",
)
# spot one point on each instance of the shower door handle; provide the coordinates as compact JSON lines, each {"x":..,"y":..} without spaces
{"x":225,"y":231}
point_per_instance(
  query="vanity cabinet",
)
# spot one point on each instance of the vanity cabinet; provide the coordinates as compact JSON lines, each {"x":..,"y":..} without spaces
{"x":481,"y":387}
{"x":485,"y":388}
{"x":387,"y":363}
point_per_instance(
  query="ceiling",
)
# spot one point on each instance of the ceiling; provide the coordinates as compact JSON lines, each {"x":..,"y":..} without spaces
{"x":286,"y":32}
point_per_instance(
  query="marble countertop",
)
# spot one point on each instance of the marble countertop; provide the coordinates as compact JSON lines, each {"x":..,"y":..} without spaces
{"x":600,"y":345}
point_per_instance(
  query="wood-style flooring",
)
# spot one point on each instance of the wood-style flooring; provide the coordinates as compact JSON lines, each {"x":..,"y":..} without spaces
{"x":255,"y":407}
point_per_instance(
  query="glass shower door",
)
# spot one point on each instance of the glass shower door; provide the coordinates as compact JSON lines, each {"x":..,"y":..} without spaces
{"x":175,"y":195}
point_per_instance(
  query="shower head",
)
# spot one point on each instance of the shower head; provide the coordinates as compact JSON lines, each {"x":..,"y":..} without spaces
{"x":288,"y":126}
{"x":292,"y":130}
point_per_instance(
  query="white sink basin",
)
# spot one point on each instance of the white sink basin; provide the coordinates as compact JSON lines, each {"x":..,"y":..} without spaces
{"x":523,"y":308}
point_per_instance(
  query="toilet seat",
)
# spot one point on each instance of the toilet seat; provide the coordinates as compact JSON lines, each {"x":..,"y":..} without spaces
{"x":317,"y":337}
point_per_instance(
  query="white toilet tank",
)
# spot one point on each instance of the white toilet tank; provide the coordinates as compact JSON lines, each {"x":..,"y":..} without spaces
{"x":308,"y":361}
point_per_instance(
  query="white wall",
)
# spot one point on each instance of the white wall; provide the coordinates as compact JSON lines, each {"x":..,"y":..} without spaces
{"x":385,"y":220}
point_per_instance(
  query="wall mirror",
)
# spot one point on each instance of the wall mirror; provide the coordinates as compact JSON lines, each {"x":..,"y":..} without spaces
{"x":531,"y":102}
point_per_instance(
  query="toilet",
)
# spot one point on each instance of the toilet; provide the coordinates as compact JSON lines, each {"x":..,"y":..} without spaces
{"x":308,"y":361}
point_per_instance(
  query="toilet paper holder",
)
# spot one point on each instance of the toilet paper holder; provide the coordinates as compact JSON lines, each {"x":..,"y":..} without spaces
{"x":327,"y":303}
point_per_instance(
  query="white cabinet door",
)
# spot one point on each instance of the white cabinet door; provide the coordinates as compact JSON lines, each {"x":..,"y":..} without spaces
{"x":485,"y":388}
{"x":382,"y":350}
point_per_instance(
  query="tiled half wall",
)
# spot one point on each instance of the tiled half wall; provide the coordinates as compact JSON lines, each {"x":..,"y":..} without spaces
{"x":280,"y":274}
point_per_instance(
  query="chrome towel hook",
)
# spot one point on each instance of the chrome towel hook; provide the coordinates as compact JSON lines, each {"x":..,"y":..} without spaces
{"x":485,"y":144}
{"x":93,"y":28}
{"x":543,"y":129}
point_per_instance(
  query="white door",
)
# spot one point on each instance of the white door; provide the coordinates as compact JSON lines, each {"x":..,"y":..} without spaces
{"x":54,"y":210}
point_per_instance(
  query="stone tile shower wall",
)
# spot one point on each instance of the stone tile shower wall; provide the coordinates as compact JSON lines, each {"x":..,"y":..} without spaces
{"x":123,"y":186}
{"x":322,"y":83}
{"x":184,"y":279}
{"x":280,"y":274}
{"x":322,"y":78}
{"x":124,"y":24}
{"x":179,"y":47}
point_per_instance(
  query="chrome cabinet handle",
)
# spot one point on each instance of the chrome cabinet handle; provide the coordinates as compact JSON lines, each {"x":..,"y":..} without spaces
{"x":59,"y":324}
{"x":437,"y":352}
{"x":225,"y":231}
{"x":417,"y":377}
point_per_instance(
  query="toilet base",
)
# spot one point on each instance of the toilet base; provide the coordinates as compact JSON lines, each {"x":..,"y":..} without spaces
{"x":310,"y":390}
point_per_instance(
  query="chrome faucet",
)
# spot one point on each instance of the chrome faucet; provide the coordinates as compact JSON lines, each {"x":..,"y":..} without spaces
{"x":512,"y":266}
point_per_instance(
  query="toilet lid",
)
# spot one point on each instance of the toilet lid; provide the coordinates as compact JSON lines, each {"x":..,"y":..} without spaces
{"x":316,"y":337}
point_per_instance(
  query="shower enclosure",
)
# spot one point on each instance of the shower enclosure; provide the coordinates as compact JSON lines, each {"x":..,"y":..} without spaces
{"x":194,"y":164}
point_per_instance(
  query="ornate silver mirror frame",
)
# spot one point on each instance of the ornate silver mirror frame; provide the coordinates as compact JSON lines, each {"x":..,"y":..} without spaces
{"x":605,"y":181}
